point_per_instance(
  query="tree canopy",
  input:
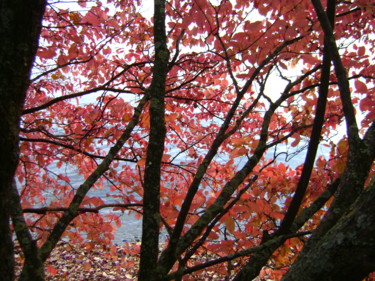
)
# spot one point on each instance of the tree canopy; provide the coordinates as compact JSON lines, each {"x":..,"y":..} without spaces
{"x":243,"y":129}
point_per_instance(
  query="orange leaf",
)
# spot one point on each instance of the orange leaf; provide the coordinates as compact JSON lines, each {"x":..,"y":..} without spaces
{"x":340,"y":166}
{"x":87,"y":266}
{"x":126,"y":117}
{"x":236,"y":142}
{"x":296,"y":141}
{"x":229,"y":224}
{"x":75,"y":18}
{"x":342,"y":146}
{"x":141,"y":162}
{"x":57,"y":75}
{"x":237,"y":152}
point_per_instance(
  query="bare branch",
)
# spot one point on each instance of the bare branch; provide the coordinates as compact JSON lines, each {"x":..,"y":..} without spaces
{"x":45,"y":210}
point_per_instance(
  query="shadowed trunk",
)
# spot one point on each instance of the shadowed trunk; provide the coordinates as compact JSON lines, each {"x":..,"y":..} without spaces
{"x":20,"y":25}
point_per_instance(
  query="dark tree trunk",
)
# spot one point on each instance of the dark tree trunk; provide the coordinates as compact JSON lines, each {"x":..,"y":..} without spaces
{"x":343,"y":245}
{"x":151,"y":197}
{"x":347,"y":251}
{"x":20,"y":24}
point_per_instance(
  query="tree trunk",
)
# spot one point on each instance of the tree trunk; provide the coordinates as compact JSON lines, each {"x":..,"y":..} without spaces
{"x":347,"y":251}
{"x":151,"y":196}
{"x":343,"y":245}
{"x":20,"y":25}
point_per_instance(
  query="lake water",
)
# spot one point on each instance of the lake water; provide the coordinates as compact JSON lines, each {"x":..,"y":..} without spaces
{"x":131,"y":228}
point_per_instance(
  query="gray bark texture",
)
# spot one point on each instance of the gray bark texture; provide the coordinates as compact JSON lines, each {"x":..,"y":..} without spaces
{"x":346,"y":251}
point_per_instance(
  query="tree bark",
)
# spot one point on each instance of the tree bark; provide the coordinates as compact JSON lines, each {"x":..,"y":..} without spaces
{"x":347,"y":251}
{"x":342,"y":247}
{"x":33,"y":268}
{"x":315,"y":134}
{"x":20,"y":25}
{"x":155,"y":149}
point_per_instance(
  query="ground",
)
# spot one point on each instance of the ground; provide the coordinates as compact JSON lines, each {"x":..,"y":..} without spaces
{"x":105,"y":263}
{"x":72,"y":262}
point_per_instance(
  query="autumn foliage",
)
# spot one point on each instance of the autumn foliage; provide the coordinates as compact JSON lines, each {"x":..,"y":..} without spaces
{"x":239,"y":103}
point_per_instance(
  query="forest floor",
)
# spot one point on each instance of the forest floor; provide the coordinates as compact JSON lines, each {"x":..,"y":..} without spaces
{"x":90,"y":263}
{"x":70,"y":262}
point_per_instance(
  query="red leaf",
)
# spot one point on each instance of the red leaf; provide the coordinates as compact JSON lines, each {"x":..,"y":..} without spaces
{"x":52,"y":270}
{"x":90,"y":18}
{"x":61,"y":60}
{"x":46,"y":53}
{"x":296,"y":141}
{"x":361,"y":51}
{"x":82,"y":3}
{"x":360,"y":86}
{"x":73,"y":51}
{"x":367,"y":104}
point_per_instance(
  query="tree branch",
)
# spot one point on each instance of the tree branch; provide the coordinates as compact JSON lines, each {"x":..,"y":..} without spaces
{"x":71,"y":147}
{"x":104,"y":87}
{"x":168,"y":256}
{"x":343,"y":83}
{"x":315,"y":134}
{"x":45,"y":210}
{"x":81,"y":192}
{"x":33,"y":262}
